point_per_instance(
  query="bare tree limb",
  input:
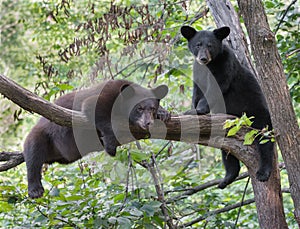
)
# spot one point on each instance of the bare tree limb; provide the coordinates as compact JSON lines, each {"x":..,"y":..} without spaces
{"x":218,"y":211}
{"x":32,"y":103}
{"x":12,"y":159}
{"x":193,"y":190}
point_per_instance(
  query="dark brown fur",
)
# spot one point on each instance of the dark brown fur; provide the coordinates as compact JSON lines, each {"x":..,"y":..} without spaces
{"x":48,"y":142}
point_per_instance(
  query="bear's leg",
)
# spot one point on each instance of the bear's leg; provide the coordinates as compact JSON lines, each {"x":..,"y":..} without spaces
{"x":199,"y":103}
{"x":266,"y":152}
{"x":202,"y":107}
{"x":110,"y":144}
{"x":232,"y":167}
{"x":35,"y":151}
{"x":107,"y":137}
{"x":163,"y":114}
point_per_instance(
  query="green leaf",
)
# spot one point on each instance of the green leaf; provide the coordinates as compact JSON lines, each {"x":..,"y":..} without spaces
{"x":139,"y":155}
{"x":233,"y":131}
{"x":249,"y":137}
{"x":74,"y":198}
{"x":269,"y":4}
{"x":264,"y":141}
{"x":112,"y":220}
{"x":65,"y":87}
{"x":135,"y":212}
{"x":151,"y":208}
{"x":124,"y":223}
{"x":229,"y":123}
{"x":119,"y":197}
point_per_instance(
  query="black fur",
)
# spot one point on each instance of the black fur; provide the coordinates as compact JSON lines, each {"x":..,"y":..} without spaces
{"x":103,"y":104}
{"x":239,"y":91}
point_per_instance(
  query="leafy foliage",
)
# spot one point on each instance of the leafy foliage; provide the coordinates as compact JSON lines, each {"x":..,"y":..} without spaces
{"x":52,"y":47}
{"x":286,"y":26}
{"x":236,"y":124}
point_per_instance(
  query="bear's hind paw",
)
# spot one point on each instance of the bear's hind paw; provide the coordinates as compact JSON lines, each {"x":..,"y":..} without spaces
{"x":36,"y":192}
{"x":263,"y":175}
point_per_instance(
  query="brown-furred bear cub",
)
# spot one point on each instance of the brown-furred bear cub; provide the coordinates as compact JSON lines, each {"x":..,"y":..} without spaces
{"x":105,"y":105}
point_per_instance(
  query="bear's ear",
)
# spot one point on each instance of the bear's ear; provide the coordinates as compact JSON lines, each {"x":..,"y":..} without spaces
{"x":160,"y":91}
{"x":222,"y":32}
{"x":127,"y":91}
{"x":188,"y":32}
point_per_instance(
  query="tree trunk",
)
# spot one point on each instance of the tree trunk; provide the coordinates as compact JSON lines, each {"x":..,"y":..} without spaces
{"x":274,"y":85}
{"x":268,"y":196}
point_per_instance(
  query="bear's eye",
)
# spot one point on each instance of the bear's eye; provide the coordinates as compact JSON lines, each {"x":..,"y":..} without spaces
{"x":209,"y":45}
{"x":153,"y":109}
{"x":140,"y":109}
{"x":199,"y":44}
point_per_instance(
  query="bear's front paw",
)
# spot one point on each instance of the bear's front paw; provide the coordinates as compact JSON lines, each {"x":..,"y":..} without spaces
{"x":263,"y":175}
{"x":222,"y":184}
{"x":190,"y":112}
{"x":35,"y":191}
{"x":196,"y":112}
{"x":163,"y":115}
{"x":110,"y":144}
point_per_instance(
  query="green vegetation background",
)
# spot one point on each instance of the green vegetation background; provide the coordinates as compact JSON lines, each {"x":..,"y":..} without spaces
{"x":53,"y":47}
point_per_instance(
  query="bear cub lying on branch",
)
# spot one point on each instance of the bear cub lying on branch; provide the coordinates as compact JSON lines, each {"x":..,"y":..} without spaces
{"x":223,"y":85}
{"x":106,"y":105}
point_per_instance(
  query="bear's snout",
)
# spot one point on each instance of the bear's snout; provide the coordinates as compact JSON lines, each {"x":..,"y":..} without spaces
{"x":203,"y":57}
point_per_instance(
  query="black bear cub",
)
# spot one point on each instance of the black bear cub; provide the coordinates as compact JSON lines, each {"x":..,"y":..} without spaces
{"x":239,"y":93}
{"x":103,"y":104}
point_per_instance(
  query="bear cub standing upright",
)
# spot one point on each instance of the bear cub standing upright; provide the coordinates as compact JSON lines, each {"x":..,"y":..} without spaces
{"x":240,"y":91}
{"x":106,"y":105}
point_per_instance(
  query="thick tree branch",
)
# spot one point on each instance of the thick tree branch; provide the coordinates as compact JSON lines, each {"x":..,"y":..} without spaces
{"x":30,"y":102}
{"x":205,"y":130}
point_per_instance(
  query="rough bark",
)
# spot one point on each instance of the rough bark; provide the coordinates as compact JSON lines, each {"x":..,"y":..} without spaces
{"x":268,"y":196}
{"x":274,"y":85}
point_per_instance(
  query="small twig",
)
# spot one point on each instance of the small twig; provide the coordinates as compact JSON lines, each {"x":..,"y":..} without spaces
{"x":127,"y":182}
{"x":159,"y":189}
{"x":292,"y":53}
{"x":108,"y":62}
{"x":57,"y":218}
{"x":190,"y":22}
{"x":210,"y":213}
{"x":81,"y":167}
{"x":191,"y":191}
{"x":283,"y":16}
{"x":159,"y":152}
{"x":240,"y":208}
{"x":134,"y":62}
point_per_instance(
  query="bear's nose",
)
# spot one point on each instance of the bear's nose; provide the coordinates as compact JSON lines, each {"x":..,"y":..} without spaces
{"x":203,"y":59}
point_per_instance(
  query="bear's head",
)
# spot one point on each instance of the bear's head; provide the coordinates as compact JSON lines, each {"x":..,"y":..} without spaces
{"x":205,"y":45}
{"x":140,"y":104}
